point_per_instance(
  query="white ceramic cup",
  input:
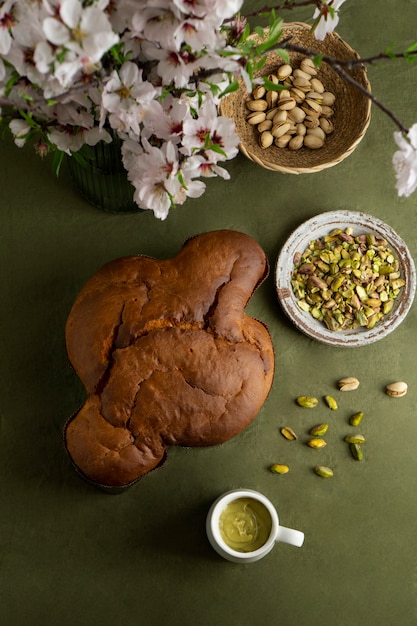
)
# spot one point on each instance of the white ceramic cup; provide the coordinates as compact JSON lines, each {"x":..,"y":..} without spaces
{"x":277,"y":533}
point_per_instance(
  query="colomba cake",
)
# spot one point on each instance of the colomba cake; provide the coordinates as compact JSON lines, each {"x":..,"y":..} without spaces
{"x":167,"y":356}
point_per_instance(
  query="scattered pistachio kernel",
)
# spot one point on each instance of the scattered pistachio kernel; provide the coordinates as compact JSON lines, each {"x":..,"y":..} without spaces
{"x":279,"y":468}
{"x":323,"y":471}
{"x":356,"y":418}
{"x":317,"y":444}
{"x":288,"y":433}
{"x":359,"y":439}
{"x":331,"y":402}
{"x":396,"y":390}
{"x":320,"y":429}
{"x":356,"y":451}
{"x":348,"y":384}
{"x":308,"y":402}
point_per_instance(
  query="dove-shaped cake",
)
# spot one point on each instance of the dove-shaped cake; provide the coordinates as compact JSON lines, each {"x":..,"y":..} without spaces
{"x":167,"y":356}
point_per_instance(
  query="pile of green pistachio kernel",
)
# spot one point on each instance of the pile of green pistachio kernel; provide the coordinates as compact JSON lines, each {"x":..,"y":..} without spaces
{"x":347,"y":281}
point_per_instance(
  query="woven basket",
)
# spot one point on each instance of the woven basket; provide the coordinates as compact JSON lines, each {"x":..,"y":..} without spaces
{"x":352,"y":109}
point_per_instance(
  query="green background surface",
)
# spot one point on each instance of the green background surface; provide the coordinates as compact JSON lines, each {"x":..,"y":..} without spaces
{"x":70,"y":554}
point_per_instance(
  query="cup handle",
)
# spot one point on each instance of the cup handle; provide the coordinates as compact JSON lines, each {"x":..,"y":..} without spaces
{"x":290,"y":535}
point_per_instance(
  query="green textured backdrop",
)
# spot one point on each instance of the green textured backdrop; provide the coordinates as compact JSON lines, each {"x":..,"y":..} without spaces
{"x":70,"y":554}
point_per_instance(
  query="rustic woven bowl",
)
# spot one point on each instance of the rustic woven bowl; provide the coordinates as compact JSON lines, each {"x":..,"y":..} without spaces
{"x":352,"y":109}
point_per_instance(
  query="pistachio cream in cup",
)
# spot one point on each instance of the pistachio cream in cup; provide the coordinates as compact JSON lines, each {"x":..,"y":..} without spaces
{"x":243,"y":526}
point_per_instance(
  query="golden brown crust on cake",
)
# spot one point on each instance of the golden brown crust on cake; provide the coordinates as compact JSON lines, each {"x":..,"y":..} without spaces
{"x":167,"y":355}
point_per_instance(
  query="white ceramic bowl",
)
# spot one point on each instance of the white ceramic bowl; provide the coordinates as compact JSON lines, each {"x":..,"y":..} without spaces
{"x":317,"y":227}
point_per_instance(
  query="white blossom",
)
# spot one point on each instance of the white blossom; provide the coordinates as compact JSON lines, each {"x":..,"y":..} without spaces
{"x":83,"y":35}
{"x":6,"y":26}
{"x":20,"y":130}
{"x":152,"y":73}
{"x":329,"y":18}
{"x":405,"y":162}
{"x":67,"y":141}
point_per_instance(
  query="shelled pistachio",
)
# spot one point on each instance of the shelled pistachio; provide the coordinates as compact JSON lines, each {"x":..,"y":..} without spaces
{"x":356,"y":451}
{"x":307,"y":402}
{"x":347,"y":281}
{"x":331,"y":403}
{"x":279,"y":468}
{"x":320,"y":429}
{"x":356,"y":418}
{"x":317,"y":444}
{"x":288,"y":433}
{"x":324,"y":471}
{"x":359,"y":439}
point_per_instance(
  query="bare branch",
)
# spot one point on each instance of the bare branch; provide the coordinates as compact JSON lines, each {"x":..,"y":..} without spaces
{"x":340,"y":66}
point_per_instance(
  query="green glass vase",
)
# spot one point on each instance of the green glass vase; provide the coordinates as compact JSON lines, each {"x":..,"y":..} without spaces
{"x":103,"y":180}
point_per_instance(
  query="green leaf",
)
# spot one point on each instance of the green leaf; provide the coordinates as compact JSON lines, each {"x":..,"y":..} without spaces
{"x":14,"y":77}
{"x":273,"y":86}
{"x":234,"y":86}
{"x":77,"y":156}
{"x":275,"y":29}
{"x":411,"y":52}
{"x":317,"y":60}
{"x":389,"y":51}
{"x":216,"y":148}
{"x":181,"y":180}
{"x":283,"y":54}
{"x":412,"y":48}
{"x":274,"y":36}
{"x":57,"y":162}
{"x":28,"y":119}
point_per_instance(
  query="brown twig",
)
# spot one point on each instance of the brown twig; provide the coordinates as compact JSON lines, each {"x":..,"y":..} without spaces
{"x":287,"y":5}
{"x":339,"y":66}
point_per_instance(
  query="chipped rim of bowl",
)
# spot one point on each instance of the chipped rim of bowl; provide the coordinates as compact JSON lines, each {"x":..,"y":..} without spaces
{"x":317,"y":227}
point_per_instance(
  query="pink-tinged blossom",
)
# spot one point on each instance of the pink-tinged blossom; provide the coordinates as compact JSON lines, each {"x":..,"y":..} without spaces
{"x":158,"y":24}
{"x":329,"y":19}
{"x":20,"y":130}
{"x":128,"y":98}
{"x":176,"y":67}
{"x":167,"y":121}
{"x":209,"y":9}
{"x":405,"y":162}
{"x":210,"y":130}
{"x":83,"y":35}
{"x":157,"y":177}
{"x":6,"y":25}
{"x":199,"y":166}
{"x":67,"y":140}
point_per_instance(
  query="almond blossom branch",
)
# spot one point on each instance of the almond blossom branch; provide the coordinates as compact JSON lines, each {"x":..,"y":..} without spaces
{"x":336,"y":65}
{"x":286,"y":5}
